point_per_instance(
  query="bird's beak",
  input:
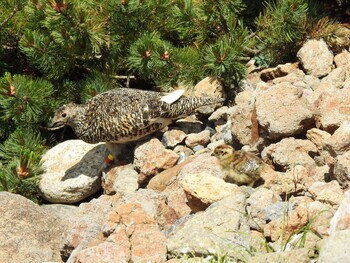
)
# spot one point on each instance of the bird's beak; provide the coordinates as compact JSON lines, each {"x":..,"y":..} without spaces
{"x":55,"y":126}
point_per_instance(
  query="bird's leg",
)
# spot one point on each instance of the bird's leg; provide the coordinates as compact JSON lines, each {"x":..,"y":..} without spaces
{"x":114,"y":150}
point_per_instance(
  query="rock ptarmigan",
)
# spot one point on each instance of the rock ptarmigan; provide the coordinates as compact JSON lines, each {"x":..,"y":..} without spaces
{"x":241,"y":167}
{"x":124,"y":115}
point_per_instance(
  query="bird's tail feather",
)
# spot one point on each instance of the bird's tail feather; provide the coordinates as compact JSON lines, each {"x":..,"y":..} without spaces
{"x":188,"y":105}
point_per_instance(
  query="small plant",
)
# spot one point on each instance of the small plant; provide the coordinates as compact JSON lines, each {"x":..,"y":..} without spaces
{"x":20,"y":167}
{"x":335,"y":34}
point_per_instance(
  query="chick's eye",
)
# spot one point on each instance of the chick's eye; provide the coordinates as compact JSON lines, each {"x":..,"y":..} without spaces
{"x":64,"y":115}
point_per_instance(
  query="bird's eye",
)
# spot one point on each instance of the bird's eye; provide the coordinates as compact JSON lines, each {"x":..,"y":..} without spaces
{"x":64,"y":115}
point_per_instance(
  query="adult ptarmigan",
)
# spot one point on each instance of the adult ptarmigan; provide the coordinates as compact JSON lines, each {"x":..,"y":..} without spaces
{"x":124,"y":115}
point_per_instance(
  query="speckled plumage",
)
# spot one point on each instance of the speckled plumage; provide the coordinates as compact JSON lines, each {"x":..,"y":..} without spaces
{"x":125,"y":115}
{"x":240,"y":167}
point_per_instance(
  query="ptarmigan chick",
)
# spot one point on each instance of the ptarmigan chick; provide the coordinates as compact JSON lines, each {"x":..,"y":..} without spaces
{"x":241,"y":168}
{"x":123,"y":115}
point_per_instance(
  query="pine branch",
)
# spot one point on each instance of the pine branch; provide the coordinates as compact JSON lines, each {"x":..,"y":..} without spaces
{"x":12,"y":14}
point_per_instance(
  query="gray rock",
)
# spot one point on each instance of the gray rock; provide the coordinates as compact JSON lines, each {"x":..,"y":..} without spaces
{"x":219,"y":229}
{"x":277,"y":210}
{"x":260,"y":199}
{"x":190,"y":124}
{"x":316,"y":58}
{"x":28,"y":233}
{"x":335,"y":249}
{"x":72,"y":171}
{"x":198,"y":148}
{"x":173,"y":137}
{"x":224,"y":133}
{"x":183,"y":152}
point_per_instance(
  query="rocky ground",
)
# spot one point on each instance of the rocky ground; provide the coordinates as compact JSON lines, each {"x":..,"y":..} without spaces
{"x":165,"y":200}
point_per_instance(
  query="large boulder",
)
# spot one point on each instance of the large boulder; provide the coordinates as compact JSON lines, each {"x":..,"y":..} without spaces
{"x":28,"y":233}
{"x":72,"y":171}
{"x":282,"y":111}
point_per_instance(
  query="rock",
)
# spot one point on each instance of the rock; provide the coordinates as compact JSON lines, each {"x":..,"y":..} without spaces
{"x":241,"y":127}
{"x":333,"y":107}
{"x":300,"y":255}
{"x":147,"y":242}
{"x":317,"y":137}
{"x":335,"y":79}
{"x":131,"y":235}
{"x":257,"y":202}
{"x":223,"y":133}
{"x":28,"y":233}
{"x":330,"y":193}
{"x":209,"y":87}
{"x":246,"y":97}
{"x":120,"y":179}
{"x":151,"y":158}
{"x":342,"y":59}
{"x":294,"y":78}
{"x":286,"y":226}
{"x":289,"y":152}
{"x":341,"y":170}
{"x":312,"y":81}
{"x":72,"y":171}
{"x":283,"y":112}
{"x":201,"y":138}
{"x":106,"y":252}
{"x":203,"y":189}
{"x":86,"y":226}
{"x":164,"y":179}
{"x":173,"y":137}
{"x":278,"y":72}
{"x":221,"y":115}
{"x":277,"y":210}
{"x":214,"y":231}
{"x":320,"y":216}
{"x":316,"y":58}
{"x":339,"y":142}
{"x":341,"y":218}
{"x":183,"y":152}
{"x":335,"y":248}
{"x":202,"y":163}
{"x":190,"y":124}
{"x":288,"y":183}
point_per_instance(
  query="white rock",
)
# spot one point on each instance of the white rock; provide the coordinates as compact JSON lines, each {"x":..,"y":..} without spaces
{"x":72,"y":171}
{"x":316,"y":58}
